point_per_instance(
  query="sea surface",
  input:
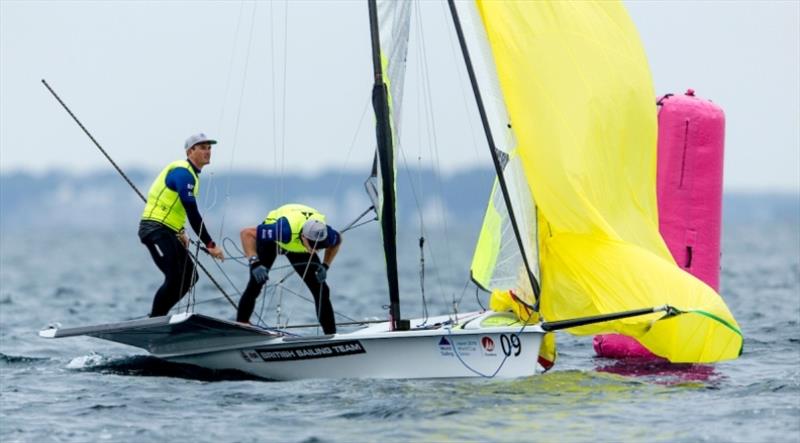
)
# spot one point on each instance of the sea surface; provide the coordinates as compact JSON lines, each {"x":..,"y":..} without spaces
{"x":87,"y":390}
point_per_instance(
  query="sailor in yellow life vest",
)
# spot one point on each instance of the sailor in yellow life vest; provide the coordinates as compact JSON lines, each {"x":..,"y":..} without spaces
{"x":298,"y":232}
{"x":172,"y":197}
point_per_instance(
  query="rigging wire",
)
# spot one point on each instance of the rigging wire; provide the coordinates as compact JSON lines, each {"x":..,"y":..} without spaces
{"x":422,"y":279}
{"x":434,"y":146}
{"x":279,"y":135}
{"x":238,"y":116}
{"x":407,"y":168}
{"x":223,"y":108}
{"x":462,"y":82}
{"x":280,"y":283}
{"x":230,"y":282}
{"x":301,"y":296}
{"x":422,"y":192}
{"x":423,"y":102}
{"x":272,"y":91}
{"x":212,"y":183}
{"x":352,"y":145}
{"x":283,"y":100}
{"x":230,"y":67}
{"x":421,"y":244}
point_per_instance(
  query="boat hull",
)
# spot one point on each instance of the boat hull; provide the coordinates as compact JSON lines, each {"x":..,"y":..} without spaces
{"x":481,"y":344}
{"x":429,"y":354}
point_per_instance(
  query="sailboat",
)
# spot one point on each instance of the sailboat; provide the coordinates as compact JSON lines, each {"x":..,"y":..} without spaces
{"x":570,"y":237}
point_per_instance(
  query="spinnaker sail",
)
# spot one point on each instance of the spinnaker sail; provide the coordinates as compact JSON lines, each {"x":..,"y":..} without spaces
{"x":576,"y":84}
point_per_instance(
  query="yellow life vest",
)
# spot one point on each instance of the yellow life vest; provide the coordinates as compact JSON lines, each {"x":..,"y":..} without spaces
{"x":297,"y":215}
{"x":163,"y":204}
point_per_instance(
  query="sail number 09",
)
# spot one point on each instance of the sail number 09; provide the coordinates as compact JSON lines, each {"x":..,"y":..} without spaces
{"x":511,"y":344}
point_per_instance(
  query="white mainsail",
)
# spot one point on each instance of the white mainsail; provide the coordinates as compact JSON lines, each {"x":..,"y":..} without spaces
{"x":394,"y":23}
{"x":389,"y":24}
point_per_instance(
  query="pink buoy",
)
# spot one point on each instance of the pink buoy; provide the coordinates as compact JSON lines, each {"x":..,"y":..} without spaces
{"x":691,"y":144}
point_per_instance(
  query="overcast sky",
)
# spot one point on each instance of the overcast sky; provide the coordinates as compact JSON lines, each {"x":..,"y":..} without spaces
{"x":142,"y":76}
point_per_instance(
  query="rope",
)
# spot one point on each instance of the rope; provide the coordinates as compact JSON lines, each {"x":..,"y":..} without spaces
{"x":289,"y":290}
{"x":477,"y":290}
{"x":191,"y":298}
{"x":422,"y":279}
{"x":473,"y":370}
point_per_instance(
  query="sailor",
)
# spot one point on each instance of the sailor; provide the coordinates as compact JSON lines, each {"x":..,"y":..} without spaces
{"x":172,"y":197}
{"x":298,"y":232}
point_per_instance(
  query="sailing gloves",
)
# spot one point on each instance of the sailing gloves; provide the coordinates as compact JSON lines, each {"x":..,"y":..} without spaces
{"x":259,"y":272}
{"x":321,"y":273}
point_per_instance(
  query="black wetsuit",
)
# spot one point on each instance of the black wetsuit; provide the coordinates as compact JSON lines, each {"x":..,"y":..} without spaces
{"x":167,"y":251}
{"x":173,"y":260}
{"x":305,"y":265}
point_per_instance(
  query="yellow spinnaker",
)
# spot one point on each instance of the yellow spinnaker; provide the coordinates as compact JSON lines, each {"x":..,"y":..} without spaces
{"x":580,"y":98}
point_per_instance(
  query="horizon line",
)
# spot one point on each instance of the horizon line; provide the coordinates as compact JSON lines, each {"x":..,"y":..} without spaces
{"x":140,"y":169}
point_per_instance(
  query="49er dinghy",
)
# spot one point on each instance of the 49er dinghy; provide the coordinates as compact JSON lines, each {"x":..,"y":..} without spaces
{"x":570,"y":234}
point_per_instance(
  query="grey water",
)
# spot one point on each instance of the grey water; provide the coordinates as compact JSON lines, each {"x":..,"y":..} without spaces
{"x":84,"y":389}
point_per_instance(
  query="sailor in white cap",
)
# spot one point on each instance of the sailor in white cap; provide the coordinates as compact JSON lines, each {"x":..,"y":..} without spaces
{"x":296,"y":231}
{"x":171,"y":199}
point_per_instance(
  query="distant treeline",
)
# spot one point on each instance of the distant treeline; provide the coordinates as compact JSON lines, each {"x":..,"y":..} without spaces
{"x":102,"y":200}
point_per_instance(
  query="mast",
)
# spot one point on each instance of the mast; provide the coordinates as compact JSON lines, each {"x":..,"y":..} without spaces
{"x":385,"y":160}
{"x":493,"y":149}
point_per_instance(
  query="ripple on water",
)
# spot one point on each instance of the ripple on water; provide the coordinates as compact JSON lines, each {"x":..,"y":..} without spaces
{"x":20,"y":360}
{"x":147,"y":366}
{"x":587,"y":399}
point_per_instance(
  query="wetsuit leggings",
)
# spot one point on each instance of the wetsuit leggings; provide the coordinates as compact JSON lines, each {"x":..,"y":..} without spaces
{"x":307,"y":271}
{"x":179,"y":270}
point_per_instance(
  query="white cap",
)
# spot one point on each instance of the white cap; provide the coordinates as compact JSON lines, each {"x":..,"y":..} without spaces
{"x":197,"y":139}
{"x":315,"y":230}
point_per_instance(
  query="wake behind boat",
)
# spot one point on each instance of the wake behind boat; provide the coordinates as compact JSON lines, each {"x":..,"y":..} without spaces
{"x":488,"y":344}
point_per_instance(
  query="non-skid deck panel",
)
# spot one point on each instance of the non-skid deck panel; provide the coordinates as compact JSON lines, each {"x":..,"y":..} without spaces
{"x":151,"y":333}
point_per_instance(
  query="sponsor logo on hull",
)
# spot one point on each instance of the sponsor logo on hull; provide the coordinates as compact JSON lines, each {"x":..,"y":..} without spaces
{"x":487,"y":343}
{"x":464,"y":346}
{"x":308,"y":352}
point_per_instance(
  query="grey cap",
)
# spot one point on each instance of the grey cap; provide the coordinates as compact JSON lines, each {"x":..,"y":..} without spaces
{"x":315,"y":230}
{"x":197,"y":139}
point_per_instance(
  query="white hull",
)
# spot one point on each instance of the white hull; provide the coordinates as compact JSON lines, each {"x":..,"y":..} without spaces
{"x":467,"y":350}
